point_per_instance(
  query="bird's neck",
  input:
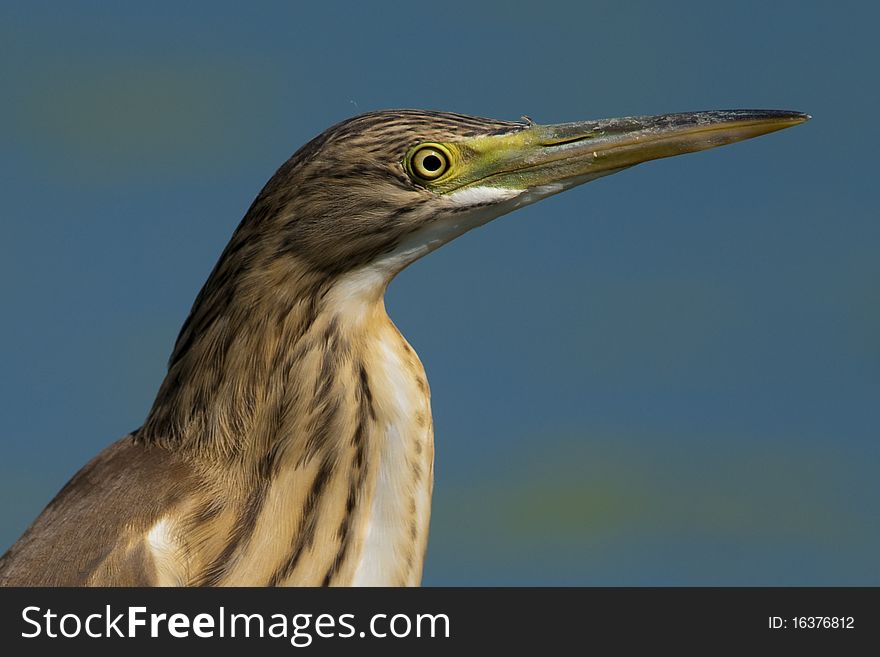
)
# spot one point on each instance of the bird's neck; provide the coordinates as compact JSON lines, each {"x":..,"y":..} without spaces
{"x":257,"y":354}
{"x":315,"y":385}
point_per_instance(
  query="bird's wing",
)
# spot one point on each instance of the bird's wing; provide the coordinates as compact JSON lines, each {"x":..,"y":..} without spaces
{"x":104,"y":527}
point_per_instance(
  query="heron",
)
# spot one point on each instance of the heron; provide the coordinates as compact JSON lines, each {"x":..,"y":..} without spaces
{"x":291,"y":440}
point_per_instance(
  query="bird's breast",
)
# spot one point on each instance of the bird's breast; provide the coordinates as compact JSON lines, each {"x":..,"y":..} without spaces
{"x":398,"y":509}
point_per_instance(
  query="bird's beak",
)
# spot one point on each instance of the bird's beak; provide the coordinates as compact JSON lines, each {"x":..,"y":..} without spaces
{"x":550,"y":158}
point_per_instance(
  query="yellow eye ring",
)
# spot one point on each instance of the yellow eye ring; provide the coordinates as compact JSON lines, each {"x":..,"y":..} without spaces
{"x":429,"y":162}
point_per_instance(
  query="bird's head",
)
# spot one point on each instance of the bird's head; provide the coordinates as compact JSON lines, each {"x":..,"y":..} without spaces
{"x":384,"y":188}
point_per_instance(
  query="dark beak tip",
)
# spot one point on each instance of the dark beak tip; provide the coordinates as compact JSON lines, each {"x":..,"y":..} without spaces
{"x":756,"y":115}
{"x":782,"y":115}
{"x":801,"y":117}
{"x":773,"y":119}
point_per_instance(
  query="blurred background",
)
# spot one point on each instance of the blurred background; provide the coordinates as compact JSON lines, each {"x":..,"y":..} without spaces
{"x":666,"y":377}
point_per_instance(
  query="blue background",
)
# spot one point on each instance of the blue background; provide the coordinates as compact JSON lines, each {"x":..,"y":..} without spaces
{"x":669,"y":376}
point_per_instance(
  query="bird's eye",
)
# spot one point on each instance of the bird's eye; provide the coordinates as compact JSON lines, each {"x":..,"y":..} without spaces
{"x":429,"y":162}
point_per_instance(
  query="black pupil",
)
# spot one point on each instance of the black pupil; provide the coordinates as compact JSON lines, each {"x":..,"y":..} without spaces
{"x":432,"y":163}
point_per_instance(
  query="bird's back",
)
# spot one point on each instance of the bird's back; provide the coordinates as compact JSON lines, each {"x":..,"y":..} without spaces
{"x":96,"y":529}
